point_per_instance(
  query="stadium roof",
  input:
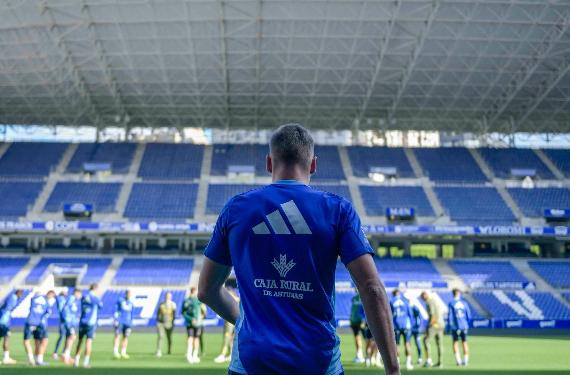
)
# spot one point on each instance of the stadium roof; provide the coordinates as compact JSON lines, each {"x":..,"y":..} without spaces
{"x":464,"y":65}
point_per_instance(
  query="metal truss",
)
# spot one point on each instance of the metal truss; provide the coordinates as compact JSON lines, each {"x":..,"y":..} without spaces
{"x":453,"y":65}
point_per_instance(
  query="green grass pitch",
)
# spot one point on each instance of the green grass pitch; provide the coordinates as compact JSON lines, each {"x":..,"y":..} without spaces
{"x":489,"y":355}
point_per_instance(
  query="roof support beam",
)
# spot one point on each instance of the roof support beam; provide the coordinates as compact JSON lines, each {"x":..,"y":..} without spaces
{"x":224,"y":56}
{"x":258,"y":36}
{"x":526,"y":72}
{"x":380,"y":60}
{"x":77,"y":80}
{"x":407,"y":72}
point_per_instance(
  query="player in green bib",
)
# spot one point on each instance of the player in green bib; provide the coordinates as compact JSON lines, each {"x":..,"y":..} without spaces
{"x":357,"y":326}
{"x":193,"y":312}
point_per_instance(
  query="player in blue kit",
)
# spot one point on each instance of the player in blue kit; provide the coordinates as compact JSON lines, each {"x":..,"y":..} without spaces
{"x":123,"y":321}
{"x":416,"y":327}
{"x":10,"y":303}
{"x":36,"y":327}
{"x":90,"y":305}
{"x":71,"y":319}
{"x":60,"y":302}
{"x":402,"y":324}
{"x":283,"y":241}
{"x":458,"y":324}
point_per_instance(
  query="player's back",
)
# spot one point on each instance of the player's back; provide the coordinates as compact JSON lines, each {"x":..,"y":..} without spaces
{"x":401,"y":313}
{"x":124,"y":311}
{"x":459,"y":314}
{"x":283,"y":241}
{"x":38,"y":309}
{"x":90,"y":304}
{"x":6,"y":308}
{"x":70,"y":310}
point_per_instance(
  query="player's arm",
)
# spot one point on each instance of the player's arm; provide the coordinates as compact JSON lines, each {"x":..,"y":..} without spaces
{"x":377,"y":309}
{"x":211,"y":290}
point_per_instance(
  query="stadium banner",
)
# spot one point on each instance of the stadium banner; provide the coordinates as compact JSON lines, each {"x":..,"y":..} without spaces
{"x":400,"y":213}
{"x":557,"y":213}
{"x":206,"y":228}
{"x":415,"y":284}
{"x":502,"y":285}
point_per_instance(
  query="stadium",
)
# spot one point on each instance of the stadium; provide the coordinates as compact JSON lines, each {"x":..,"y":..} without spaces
{"x":126,"y":125}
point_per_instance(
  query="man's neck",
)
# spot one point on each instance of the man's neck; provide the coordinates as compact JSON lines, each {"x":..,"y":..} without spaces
{"x":291,"y":175}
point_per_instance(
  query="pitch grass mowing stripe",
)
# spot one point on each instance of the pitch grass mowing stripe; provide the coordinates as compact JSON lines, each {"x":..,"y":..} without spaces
{"x":489,"y":355}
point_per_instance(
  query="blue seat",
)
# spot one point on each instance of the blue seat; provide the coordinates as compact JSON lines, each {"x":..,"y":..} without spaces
{"x":533,"y":202}
{"x":329,"y":166}
{"x":449,"y":164}
{"x":474,"y":204}
{"x":224,"y":155}
{"x":162,"y":200}
{"x":171,"y":161}
{"x":556,"y":274}
{"x":154,"y":271}
{"x":31,"y":159}
{"x":475,"y":272}
{"x":119,"y":155}
{"x":102,"y":195}
{"x":547,"y":307}
{"x":560,"y":158}
{"x":220,"y":194}
{"x":502,"y":160}
{"x":96,"y":268}
{"x":377,"y":198}
{"x":364,"y":158}
{"x":10,"y":266}
{"x":16,"y":198}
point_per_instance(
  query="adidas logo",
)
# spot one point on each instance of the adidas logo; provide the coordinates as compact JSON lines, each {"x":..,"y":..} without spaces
{"x":277,"y":222}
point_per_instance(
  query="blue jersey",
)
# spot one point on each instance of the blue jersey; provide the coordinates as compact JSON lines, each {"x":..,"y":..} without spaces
{"x":124,"y":312}
{"x":90,"y":305}
{"x":401,"y":313}
{"x":283,"y":241}
{"x":459,"y":315}
{"x":71,"y":311}
{"x":6,"y":309}
{"x":416,"y":318}
{"x":40,"y":310}
{"x":60,"y":303}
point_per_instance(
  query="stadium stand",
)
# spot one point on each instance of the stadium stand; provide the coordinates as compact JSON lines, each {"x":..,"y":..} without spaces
{"x":161,"y":200}
{"x":377,"y":198}
{"x":224,"y":155}
{"x":450,"y":164}
{"x":567,"y":296}
{"x":467,"y":205}
{"x":340,"y":190}
{"x":501,"y":161}
{"x":447,"y":297}
{"x":219,"y":194}
{"x":362,"y":159}
{"x":96,"y":268}
{"x":171,"y":161}
{"x":522,"y":305}
{"x":103,"y":196}
{"x":533,"y":202}
{"x":10,"y":267}
{"x":31,"y":159}
{"x":328,"y":164}
{"x":16,"y":197}
{"x":396,"y":270}
{"x":476,"y":273}
{"x":556,"y":274}
{"x":154,"y":271}
{"x":560,"y":158}
{"x":119,"y":155}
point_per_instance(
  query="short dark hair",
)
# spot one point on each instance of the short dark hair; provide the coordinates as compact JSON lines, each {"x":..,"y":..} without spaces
{"x":455,"y":292}
{"x":292,"y":144}
{"x":93,"y":286}
{"x":395,"y":292}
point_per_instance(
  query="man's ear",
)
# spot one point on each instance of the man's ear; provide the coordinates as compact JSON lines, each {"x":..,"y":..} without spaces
{"x":313,"y":167}
{"x":268,"y":164}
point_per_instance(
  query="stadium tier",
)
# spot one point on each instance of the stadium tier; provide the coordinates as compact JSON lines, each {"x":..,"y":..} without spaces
{"x":556,"y":274}
{"x":450,"y":164}
{"x":31,"y":159}
{"x":95,"y":268}
{"x":219,"y":194}
{"x":395,"y":271}
{"x":447,"y":297}
{"x":151,"y":271}
{"x":168,"y":161}
{"x":10,"y":266}
{"x":377,"y":198}
{"x":567,"y":296}
{"x":118,"y":155}
{"x":340,"y":190}
{"x":474,"y":204}
{"x":481,"y":274}
{"x":17,"y":198}
{"x":103,"y":196}
{"x":522,"y":305}
{"x":367,"y":159}
{"x":502,"y":161}
{"x":533,"y":202}
{"x":226,"y":155}
{"x":328,"y":164}
{"x":560,"y":158}
{"x":161,"y":201}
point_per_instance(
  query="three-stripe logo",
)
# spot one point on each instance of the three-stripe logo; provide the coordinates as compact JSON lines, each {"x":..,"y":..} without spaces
{"x":277,"y":222}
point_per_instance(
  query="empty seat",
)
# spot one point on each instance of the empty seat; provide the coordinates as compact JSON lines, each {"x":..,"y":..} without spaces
{"x":476,"y":273}
{"x":362,"y":159}
{"x":560,"y":158}
{"x":16,"y":198}
{"x":154,"y":271}
{"x":162,"y":200}
{"x":556,"y":274}
{"x":522,"y":305}
{"x":224,"y":155}
{"x":103,"y":196}
{"x":533,"y":202}
{"x":220,"y":194}
{"x":377,"y":198}
{"x":449,"y":164}
{"x":96,"y":268}
{"x":501,"y":161}
{"x":31,"y":159}
{"x":10,"y":266}
{"x":171,"y":161}
{"x":119,"y":155}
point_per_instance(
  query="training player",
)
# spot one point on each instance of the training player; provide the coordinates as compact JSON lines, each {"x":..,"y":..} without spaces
{"x":90,"y":305}
{"x":165,"y":315}
{"x":36,"y":326}
{"x":227,"y":335}
{"x":283,"y":241}
{"x":60,"y":301}
{"x":357,"y":326}
{"x":434,"y":329}
{"x":416,"y":327}
{"x":402,"y":324}
{"x":123,"y":322}
{"x":10,"y":303}
{"x":71,"y":319}
{"x":458,"y":323}
{"x":193,"y":312}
